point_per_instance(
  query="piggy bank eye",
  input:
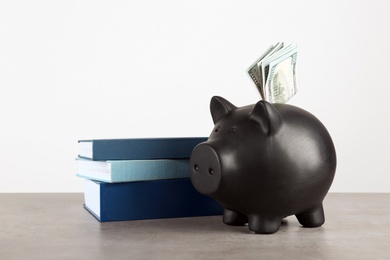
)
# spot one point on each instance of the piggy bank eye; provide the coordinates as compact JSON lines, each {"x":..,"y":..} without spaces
{"x":217,"y":128}
{"x":233,"y":130}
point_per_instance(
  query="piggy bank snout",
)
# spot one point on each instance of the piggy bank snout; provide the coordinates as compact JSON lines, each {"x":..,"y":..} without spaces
{"x":205,"y":169}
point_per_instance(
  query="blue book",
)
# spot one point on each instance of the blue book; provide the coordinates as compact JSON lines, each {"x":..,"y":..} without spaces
{"x":147,"y":200}
{"x":133,"y":170}
{"x":138,"y":148}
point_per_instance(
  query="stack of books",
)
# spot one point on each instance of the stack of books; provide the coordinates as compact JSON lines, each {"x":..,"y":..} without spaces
{"x":145,"y":178}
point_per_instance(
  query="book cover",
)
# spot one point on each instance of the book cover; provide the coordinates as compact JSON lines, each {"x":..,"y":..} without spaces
{"x":133,"y":170}
{"x":138,"y":148}
{"x":147,"y":200}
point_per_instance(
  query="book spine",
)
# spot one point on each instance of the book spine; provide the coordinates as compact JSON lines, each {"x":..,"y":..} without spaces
{"x":153,"y":200}
{"x":141,"y":149}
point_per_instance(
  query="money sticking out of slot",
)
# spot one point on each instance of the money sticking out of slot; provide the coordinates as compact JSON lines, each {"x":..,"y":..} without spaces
{"x":274,"y":73}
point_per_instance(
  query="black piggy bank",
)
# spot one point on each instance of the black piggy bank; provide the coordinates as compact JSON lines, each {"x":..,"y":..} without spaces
{"x":265,"y":162}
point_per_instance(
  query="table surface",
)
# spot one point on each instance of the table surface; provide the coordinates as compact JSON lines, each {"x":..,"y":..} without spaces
{"x":56,"y":226}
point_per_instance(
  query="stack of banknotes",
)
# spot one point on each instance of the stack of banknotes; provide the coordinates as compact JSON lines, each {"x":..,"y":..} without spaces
{"x":274,"y":73}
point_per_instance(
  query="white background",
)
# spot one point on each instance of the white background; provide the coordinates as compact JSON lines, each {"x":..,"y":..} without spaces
{"x":73,"y":70}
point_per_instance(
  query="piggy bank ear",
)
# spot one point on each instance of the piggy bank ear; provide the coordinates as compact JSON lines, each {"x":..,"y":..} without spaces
{"x":220,"y":107}
{"x":266,"y":116}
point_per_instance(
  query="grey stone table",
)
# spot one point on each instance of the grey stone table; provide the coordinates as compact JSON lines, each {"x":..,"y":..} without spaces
{"x":56,"y":226}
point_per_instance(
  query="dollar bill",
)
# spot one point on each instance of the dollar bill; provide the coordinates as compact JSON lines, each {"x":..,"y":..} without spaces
{"x":281,"y":84}
{"x":264,"y":62}
{"x":274,"y":73}
{"x":255,"y":70}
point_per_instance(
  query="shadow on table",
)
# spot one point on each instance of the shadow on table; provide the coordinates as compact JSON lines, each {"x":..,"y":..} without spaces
{"x":191,"y":225}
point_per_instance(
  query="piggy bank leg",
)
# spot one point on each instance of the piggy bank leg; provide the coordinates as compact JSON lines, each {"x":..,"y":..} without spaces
{"x":313,"y":217}
{"x":264,"y":224}
{"x":233,"y":218}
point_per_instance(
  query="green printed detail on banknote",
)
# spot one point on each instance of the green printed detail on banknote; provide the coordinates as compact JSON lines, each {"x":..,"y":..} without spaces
{"x":274,"y":73}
